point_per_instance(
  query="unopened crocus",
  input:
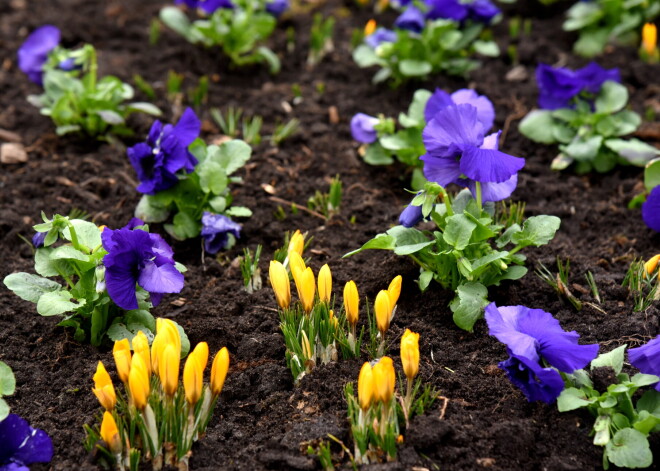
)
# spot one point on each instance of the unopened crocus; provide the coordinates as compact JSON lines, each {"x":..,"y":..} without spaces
{"x":139,"y":382}
{"x":103,"y":388}
{"x":141,"y":347}
{"x":380,"y":36}
{"x":365,"y":386}
{"x":362,"y":128}
{"x":441,"y":99}
{"x":219,"y":371}
{"x":121,"y":352}
{"x":325,"y":284}
{"x":216,"y":229}
{"x":167,"y":333}
{"x":193,"y":375}
{"x":412,"y":19}
{"x":370,"y":27}
{"x":651,"y":265}
{"x":22,"y":445}
{"x":168,"y":370}
{"x":207,"y":6}
{"x":383,"y":307}
{"x":138,"y":257}
{"x":296,"y":243}
{"x":33,"y":53}
{"x":533,"y":335}
{"x":351,"y":303}
{"x":651,"y":209}
{"x":306,"y":289}
{"x":650,"y":39}
{"x":277,"y":7}
{"x":110,"y":433}
{"x":165,"y":153}
{"x":202,"y":352}
{"x":394,"y":289}
{"x":647,"y":358}
{"x":279,"y":281}
{"x":410,"y":353}
{"x":384,"y":379}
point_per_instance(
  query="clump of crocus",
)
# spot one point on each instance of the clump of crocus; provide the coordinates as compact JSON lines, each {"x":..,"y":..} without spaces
{"x":384,"y":308}
{"x":648,"y":50}
{"x":157,"y":418}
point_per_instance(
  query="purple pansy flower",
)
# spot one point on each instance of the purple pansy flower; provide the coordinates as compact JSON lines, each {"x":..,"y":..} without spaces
{"x":33,"y":53}
{"x":165,"y":153}
{"x":441,"y":99}
{"x":277,"y":7}
{"x":483,"y":11}
{"x":38,"y":239}
{"x":380,"y":36}
{"x":412,"y":20}
{"x":22,"y":445}
{"x":411,"y":215}
{"x":651,"y":209}
{"x":208,"y":6}
{"x":478,"y":10}
{"x":645,"y":358}
{"x":136,"y":256}
{"x":215,"y":231}
{"x":533,"y":335}
{"x":362,"y":128}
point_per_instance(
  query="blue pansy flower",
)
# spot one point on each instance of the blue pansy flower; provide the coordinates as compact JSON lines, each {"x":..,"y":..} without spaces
{"x":22,"y":445}
{"x":362,"y":128}
{"x":165,"y":153}
{"x":38,"y":239}
{"x":651,"y":209}
{"x":277,"y":7}
{"x":533,"y":336}
{"x":208,"y":6}
{"x":478,"y":10}
{"x":412,"y":20}
{"x":646,"y":358}
{"x":441,"y":99}
{"x":380,"y":36}
{"x":215,"y":231}
{"x":483,"y":11}
{"x":136,"y":256}
{"x":33,"y":53}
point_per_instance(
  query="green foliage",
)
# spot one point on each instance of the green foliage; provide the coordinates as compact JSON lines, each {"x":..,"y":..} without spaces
{"x":651,"y":180}
{"x":206,"y":189}
{"x":239,"y":31}
{"x":465,"y":252}
{"x":559,"y":282}
{"x":250,"y":269}
{"x":7,"y":388}
{"x":327,"y":203}
{"x":588,"y":138}
{"x":442,"y":46}
{"x":643,"y":287}
{"x":284,"y":131}
{"x":79,"y":102}
{"x":600,"y":22}
{"x":320,"y":39}
{"x":230,"y":120}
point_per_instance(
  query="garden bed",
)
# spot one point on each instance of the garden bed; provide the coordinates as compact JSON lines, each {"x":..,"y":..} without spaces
{"x":263,"y":421}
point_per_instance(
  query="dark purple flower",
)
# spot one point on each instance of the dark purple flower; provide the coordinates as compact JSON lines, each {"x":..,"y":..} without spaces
{"x":645,"y":358}
{"x":208,"y":6}
{"x":277,"y":7}
{"x":38,"y":239}
{"x":594,"y":76}
{"x":533,"y":335}
{"x":412,"y":20}
{"x":380,"y":36}
{"x":411,"y":215}
{"x":22,"y":445}
{"x":651,"y":209}
{"x":33,"y":53}
{"x":215,"y":231}
{"x":362,"y":128}
{"x":136,"y":256}
{"x":440,"y":100}
{"x":165,"y":153}
{"x":483,"y":11}
{"x":478,"y":10}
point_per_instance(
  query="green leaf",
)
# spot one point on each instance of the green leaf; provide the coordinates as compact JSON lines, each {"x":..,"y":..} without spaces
{"x":652,"y":174}
{"x":458,"y":231}
{"x":629,"y":448}
{"x":274,"y":65}
{"x":537,"y":230}
{"x":143,"y":318}
{"x":44,"y":266}
{"x":239,"y":212}
{"x":486,"y":48}
{"x":613,"y":359}
{"x":87,"y":232}
{"x":650,"y":402}
{"x":633,"y":150}
{"x":425,"y":278}
{"x":144,"y":107}
{"x":641,"y":379}
{"x":571,"y":399}
{"x":591,"y":43}
{"x":612,"y":98}
{"x":57,"y":302}
{"x":415,"y":68}
{"x":149,"y":212}
{"x":7,"y":380}
{"x":67,"y":252}
{"x":381,"y":242}
{"x":468,"y":305}
{"x":185,"y":343}
{"x":646,"y":422}
{"x":582,"y":14}
{"x":231,"y":155}
{"x":30,"y":287}
{"x":377,"y":155}
{"x":415,"y":116}
{"x":537,"y":126}
{"x":4,"y":409}
{"x":176,"y":20}
{"x":505,"y":238}
{"x":583,"y":149}
{"x":212,"y":177}
{"x":110,"y":117}
{"x":364,"y":56}
{"x":408,"y":240}
{"x":183,"y":226}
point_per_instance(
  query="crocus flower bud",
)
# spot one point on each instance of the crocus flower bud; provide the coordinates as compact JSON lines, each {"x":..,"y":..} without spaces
{"x":103,"y":388}
{"x":296,"y":263}
{"x":649,"y":38}
{"x":139,"y":382}
{"x":384,"y":380}
{"x":394,"y":290}
{"x":370,"y":27}
{"x":170,"y":331}
{"x":279,"y":281}
{"x":410,"y":353}
{"x":122,"y":355}
{"x":110,"y":433}
{"x":351,"y":302}
{"x":651,"y":265}
{"x":141,"y":347}
{"x":202,"y":352}
{"x":168,"y":369}
{"x":219,"y":371}
{"x":192,"y":379}
{"x":365,"y":386}
{"x":410,"y":216}
{"x":325,"y":283}
{"x":296,"y":243}
{"x":383,"y":308}
{"x":306,"y":289}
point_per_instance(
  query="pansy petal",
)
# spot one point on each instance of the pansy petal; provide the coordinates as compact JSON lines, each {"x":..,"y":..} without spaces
{"x":503,"y":325}
{"x":483,"y":11}
{"x":188,"y":128}
{"x":439,"y":100}
{"x":450,"y":9}
{"x":160,"y":279}
{"x":155,"y":132}
{"x":362,"y":128}
{"x":38,"y":448}
{"x":647,"y":357}
{"x":13,"y":431}
{"x":485,"y":108}
{"x":412,"y":19}
{"x":593,"y":76}
{"x":453,"y":127}
{"x":487,"y":165}
{"x":494,"y":191}
{"x":651,"y":209}
{"x":442,"y":170}
{"x":536,"y":382}
{"x":120,"y":283}
{"x":33,"y":53}
{"x":380,"y":36}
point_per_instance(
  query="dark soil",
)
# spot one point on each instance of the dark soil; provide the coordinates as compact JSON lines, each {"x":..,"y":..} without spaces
{"x":263,"y":421}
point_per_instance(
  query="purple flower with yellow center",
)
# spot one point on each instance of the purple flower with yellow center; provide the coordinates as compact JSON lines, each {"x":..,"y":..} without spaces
{"x":441,"y":99}
{"x":33,"y":53}
{"x":380,"y":36}
{"x":215,"y":231}
{"x":412,"y":19}
{"x":532,"y":337}
{"x":165,"y":153}
{"x":277,"y":7}
{"x":651,"y":209}
{"x":647,"y":358}
{"x":458,"y":152}
{"x":22,"y":445}
{"x":362,"y":128}
{"x":478,"y":10}
{"x":208,"y":6}
{"x":136,"y":256}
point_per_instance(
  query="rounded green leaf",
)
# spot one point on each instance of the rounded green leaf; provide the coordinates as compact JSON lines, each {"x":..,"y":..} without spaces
{"x":629,"y":448}
{"x":7,"y":380}
{"x":537,"y":126}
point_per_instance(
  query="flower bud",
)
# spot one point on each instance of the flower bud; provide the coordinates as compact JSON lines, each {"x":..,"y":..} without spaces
{"x":325,"y":283}
{"x":296,"y":243}
{"x":296,"y":264}
{"x":219,"y":371}
{"x":110,"y":433}
{"x":651,"y":265}
{"x":370,"y":27}
{"x":168,"y":369}
{"x":202,"y":352}
{"x":122,"y":355}
{"x":103,"y":388}
{"x":410,"y":353}
{"x":394,"y":290}
{"x":384,"y":380}
{"x":351,"y":302}
{"x":279,"y":281}
{"x":193,"y":379}
{"x":171,"y":332}
{"x":649,"y":38}
{"x":410,"y":216}
{"x":139,"y":382}
{"x":383,"y":308}
{"x":365,"y":386}
{"x":306,"y":289}
{"x":141,"y":347}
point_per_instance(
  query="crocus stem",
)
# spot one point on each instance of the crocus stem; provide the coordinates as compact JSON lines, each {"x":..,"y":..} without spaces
{"x":478,"y":187}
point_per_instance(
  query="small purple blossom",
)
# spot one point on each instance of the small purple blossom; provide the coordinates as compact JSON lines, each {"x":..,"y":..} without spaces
{"x":380,"y":36}
{"x":441,"y":99}
{"x":411,"y":215}
{"x":165,"y":153}
{"x":208,"y":6}
{"x":651,"y":209}
{"x":22,"y":445}
{"x":412,"y":19}
{"x":215,"y":231}
{"x":646,"y":358}
{"x":533,"y":336}
{"x":277,"y":7}
{"x":482,"y":11}
{"x":136,"y":256}
{"x":38,"y":239}
{"x":33,"y":53}
{"x":362,"y":128}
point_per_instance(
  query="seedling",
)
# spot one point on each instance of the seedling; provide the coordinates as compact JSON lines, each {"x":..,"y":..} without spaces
{"x":559,"y":282}
{"x":284,"y":131}
{"x":327,"y":203}
{"x":320,"y":42}
{"x":250,"y":269}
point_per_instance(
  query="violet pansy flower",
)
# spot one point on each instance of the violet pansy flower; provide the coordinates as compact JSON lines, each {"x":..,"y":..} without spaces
{"x":208,"y":6}
{"x":380,"y":36}
{"x":33,"y":53}
{"x":215,"y":231}
{"x":38,"y":239}
{"x":362,"y":128}
{"x":478,"y":10}
{"x":412,"y":19}
{"x":138,"y":257}
{"x":533,"y":336}
{"x":22,"y":445}
{"x":165,"y":153}
{"x":277,"y":7}
{"x":651,"y":209}
{"x":441,"y":99}
{"x":647,"y":358}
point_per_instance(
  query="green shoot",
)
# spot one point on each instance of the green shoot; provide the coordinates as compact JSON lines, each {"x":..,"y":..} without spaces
{"x":559,"y":282}
{"x":320,"y":42}
{"x":327,"y":203}
{"x":144,"y":86}
{"x":284,"y":131}
{"x":644,"y":289}
{"x":250,"y":269}
{"x":592,"y":285}
{"x":229,"y":121}
{"x":199,"y":94}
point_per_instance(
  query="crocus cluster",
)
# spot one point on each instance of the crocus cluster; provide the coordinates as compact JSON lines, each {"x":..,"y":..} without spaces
{"x":33,"y":53}
{"x":22,"y":445}
{"x":538,"y":350}
{"x":559,"y":87}
{"x":169,"y":417}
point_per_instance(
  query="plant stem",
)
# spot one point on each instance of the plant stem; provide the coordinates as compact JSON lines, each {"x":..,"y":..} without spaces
{"x":478,"y":187}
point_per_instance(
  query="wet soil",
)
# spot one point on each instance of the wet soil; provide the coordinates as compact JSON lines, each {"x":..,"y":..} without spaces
{"x":264,"y":422}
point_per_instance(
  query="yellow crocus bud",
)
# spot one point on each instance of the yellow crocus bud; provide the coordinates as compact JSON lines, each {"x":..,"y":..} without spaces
{"x":649,"y":38}
{"x":168,"y":369}
{"x":138,"y":382}
{"x":410,"y":353}
{"x":651,"y":265}
{"x":384,"y":380}
{"x":141,"y":347}
{"x":193,"y":378}
{"x":306,"y":289}
{"x":325,"y":283}
{"x":168,"y":328}
{"x":297,"y":264}
{"x":370,"y":27}
{"x":279,"y":280}
{"x":399,"y":440}
{"x":110,"y":433}
{"x":202,"y":352}
{"x":351,"y":302}
{"x":219,"y":371}
{"x":383,"y":308}
{"x":365,"y":386}
{"x":122,"y":355}
{"x":394,"y":290}
{"x":103,"y":388}
{"x":296,"y":243}
{"x":306,"y":347}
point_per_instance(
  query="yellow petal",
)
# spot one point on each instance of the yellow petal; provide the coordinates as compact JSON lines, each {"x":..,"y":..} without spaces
{"x":307,"y":289}
{"x":652,"y":264}
{"x":649,"y":38}
{"x":138,"y":382}
{"x":365,"y":386}
{"x":394,"y":290}
{"x":325,"y":283}
{"x":110,"y":433}
{"x":384,"y":380}
{"x":296,"y":243}
{"x":202,"y":352}
{"x":279,"y":281}
{"x":122,"y":355}
{"x":383,"y":308}
{"x":141,"y":347}
{"x":410,"y":353}
{"x":219,"y":371}
{"x":370,"y":27}
{"x":351,"y":302}
{"x":193,"y":379}
{"x":168,"y":369}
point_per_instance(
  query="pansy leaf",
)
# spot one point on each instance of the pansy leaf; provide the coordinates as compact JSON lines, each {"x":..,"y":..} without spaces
{"x":626,"y":122}
{"x":612,"y":98}
{"x":377,"y":155}
{"x":30,"y":287}
{"x":148,"y":211}
{"x":591,"y":42}
{"x":571,"y":399}
{"x":239,"y":212}
{"x":45,"y":266}
{"x":364,"y":56}
{"x":176,"y":20}
{"x":629,"y":448}
{"x":4,"y":410}
{"x":144,"y":107}
{"x":415,"y":116}
{"x":459,"y":231}
{"x":650,"y":402}
{"x":142,"y":317}
{"x":56,"y":303}
{"x":538,"y":126}
{"x":652,"y":174}
{"x":536,"y":231}
{"x":88,"y":233}
{"x":425,"y":278}
{"x":7,"y":380}
{"x":218,"y":204}
{"x":212,"y":177}
{"x":110,"y":117}
{"x":633,"y":150}
{"x":381,"y":241}
{"x":582,"y":14}
{"x":183,"y":226}
{"x":641,"y":379}
{"x":583,"y":149}
{"x":468,"y":305}
{"x":486,"y":48}
{"x":231,"y":155}
{"x":505,"y":238}
{"x":613,"y":359}
{"x":646,"y":422}
{"x":67,"y":252}
{"x":415,"y":68}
